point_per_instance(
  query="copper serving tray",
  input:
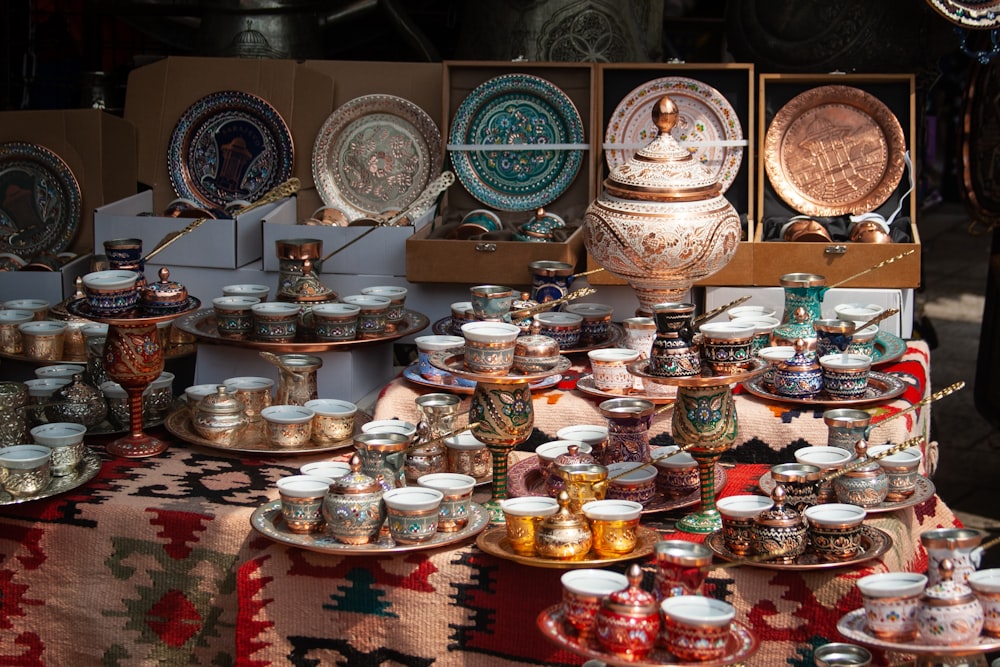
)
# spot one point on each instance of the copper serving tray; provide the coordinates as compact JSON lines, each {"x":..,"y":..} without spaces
{"x":925,"y":490}
{"x":881,"y":387}
{"x":854,"y":626}
{"x":616,"y":334}
{"x":874,"y":543}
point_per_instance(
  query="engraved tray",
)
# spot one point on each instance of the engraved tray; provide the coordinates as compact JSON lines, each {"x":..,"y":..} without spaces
{"x":874,"y":543}
{"x":834,"y":150}
{"x":412,"y":373}
{"x":494,"y":542}
{"x":741,"y":645}
{"x":586,"y":385}
{"x":86,"y":470}
{"x":267,"y":521}
{"x":881,"y":387}
{"x":854,"y":626}
{"x":925,"y":490}
{"x":616,"y":333}
{"x":202,"y":325}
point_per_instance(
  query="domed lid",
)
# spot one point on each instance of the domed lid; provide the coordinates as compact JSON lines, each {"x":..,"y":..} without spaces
{"x":947,"y":591}
{"x":779,"y":515}
{"x":59,"y":310}
{"x":573,"y":455}
{"x":663,"y":171}
{"x":563,"y":519}
{"x":803,"y":360}
{"x":867,"y":469}
{"x":166,"y":290}
{"x":355,"y":482}
{"x":78,"y":391}
{"x":632,"y":600}
{"x":221,"y":402}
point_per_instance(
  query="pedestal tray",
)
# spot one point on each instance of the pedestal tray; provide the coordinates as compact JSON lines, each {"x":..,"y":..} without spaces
{"x":925,"y":490}
{"x":616,"y":333}
{"x":854,"y":626}
{"x":412,"y":373}
{"x":86,"y":470}
{"x":495,"y":542}
{"x":874,"y":543}
{"x":881,"y":387}
{"x":587,"y":386}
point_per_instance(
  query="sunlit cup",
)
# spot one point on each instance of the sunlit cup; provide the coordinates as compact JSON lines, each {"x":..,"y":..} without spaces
{"x":331,"y":469}
{"x":302,"y":502}
{"x":392,"y":426}
{"x":834,"y":530}
{"x":863,"y":341}
{"x":65,"y":440}
{"x":287,"y":426}
{"x":397,"y":300}
{"x":857,"y":312}
{"x":614,"y":525}
{"x":891,"y":601}
{"x":696,"y":628}
{"x":737,"y":312}
{"x":158,"y":397}
{"x":429,"y":344}
{"x":10,"y":335}
{"x":774,"y":355}
{"x":24,"y":469}
{"x":902,"y":470}
{"x":833,"y":336}
{"x":489,"y":346}
{"x":827,"y":459}
{"x":523,"y":516}
{"x":536,"y":353}
{"x":727,"y":347}
{"x":677,"y":476}
{"x":468,"y":455}
{"x":583,"y":591}
{"x":595,"y":435}
{"x":333,"y":420}
{"x":255,"y":393}
{"x":564,"y":328}
{"x":275,"y":321}
{"x":738,"y":514}
{"x":610,"y":368}
{"x":234,"y":316}
{"x":839,"y":654}
{"x":196,"y":392}
{"x":335,"y":321}
{"x":681,"y":568}
{"x":490,"y":302}
{"x":456,"y":490}
{"x":43,"y":339}
{"x":372,"y":314}
{"x":111,"y":292}
{"x":259,"y":292}
{"x":986,"y":586}
{"x":461,"y":313}
{"x":596,"y":324}
{"x":59,"y":371}
{"x":845,"y":376}
{"x":412,"y":513}
{"x":631,"y":481}
{"x":762,"y":328}
{"x":959,"y":545}
{"x":548,"y":452}
{"x":800,"y":481}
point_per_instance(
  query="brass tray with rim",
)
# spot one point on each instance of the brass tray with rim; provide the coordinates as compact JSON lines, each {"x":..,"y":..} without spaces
{"x":925,"y":490}
{"x":494,"y":541}
{"x":854,"y":626}
{"x":834,"y":150}
{"x":412,"y":373}
{"x":525,"y":479}
{"x":253,"y":440}
{"x":587,"y":386}
{"x":201,"y":324}
{"x":616,"y":333}
{"x":741,"y":645}
{"x":267,"y":521}
{"x":874,"y":543}
{"x":86,"y":470}
{"x":881,"y":387}
{"x":454,"y":363}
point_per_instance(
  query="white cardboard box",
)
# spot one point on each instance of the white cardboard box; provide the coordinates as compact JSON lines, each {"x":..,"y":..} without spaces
{"x":50,"y":286}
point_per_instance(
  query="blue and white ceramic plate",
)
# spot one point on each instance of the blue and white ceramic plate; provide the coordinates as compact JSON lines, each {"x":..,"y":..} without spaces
{"x":540,"y":125}
{"x":229,"y":145}
{"x":375,"y":153}
{"x":39,"y":200}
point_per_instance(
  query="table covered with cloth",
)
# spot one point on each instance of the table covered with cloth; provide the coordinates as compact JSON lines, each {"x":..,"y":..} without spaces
{"x":154,"y":561}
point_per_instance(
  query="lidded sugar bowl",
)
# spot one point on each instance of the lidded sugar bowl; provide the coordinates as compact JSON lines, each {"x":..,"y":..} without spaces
{"x":78,"y":402}
{"x":353,"y":507}
{"x":628,"y":621}
{"x":949,"y":611}
{"x":220,"y":417}
{"x":163,"y":297}
{"x":662,"y":221}
{"x":779,"y":530}
{"x":800,"y":376}
{"x":572,"y":455}
{"x":867,"y":485}
{"x":565,"y":535}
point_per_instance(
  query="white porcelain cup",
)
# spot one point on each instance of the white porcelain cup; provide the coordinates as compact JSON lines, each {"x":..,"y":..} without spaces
{"x":610,"y":369}
{"x":891,"y":601}
{"x":65,"y":439}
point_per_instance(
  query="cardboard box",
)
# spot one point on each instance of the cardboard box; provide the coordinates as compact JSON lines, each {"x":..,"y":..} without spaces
{"x":735,"y":81}
{"x":100,"y":150}
{"x":841,"y":259}
{"x":51,"y":286}
{"x":158,"y":95}
{"x":222,"y":243}
{"x":430,"y":259}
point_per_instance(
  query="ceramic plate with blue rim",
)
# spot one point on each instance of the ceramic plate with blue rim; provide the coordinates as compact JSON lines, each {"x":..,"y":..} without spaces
{"x":888,"y":347}
{"x":229,"y":145}
{"x":39,"y":200}
{"x":516,"y":110}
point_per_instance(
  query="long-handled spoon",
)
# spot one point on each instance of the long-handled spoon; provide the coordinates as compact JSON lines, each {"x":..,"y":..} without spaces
{"x":715,"y":312}
{"x":884,"y":315}
{"x":947,"y":391}
{"x":861,"y":462}
{"x":547,"y":305}
{"x":884,"y":262}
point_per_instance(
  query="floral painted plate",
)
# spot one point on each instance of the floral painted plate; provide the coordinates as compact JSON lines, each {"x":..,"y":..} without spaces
{"x":539,"y":137}
{"x":229,"y":145}
{"x":375,"y":153}
{"x":39,"y":200}
{"x":707,"y":125}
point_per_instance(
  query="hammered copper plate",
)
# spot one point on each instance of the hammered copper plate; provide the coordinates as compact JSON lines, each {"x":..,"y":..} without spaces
{"x":741,"y":645}
{"x":881,"y":387}
{"x":494,"y":542}
{"x":924,"y":491}
{"x":267,"y":521}
{"x":375,"y":153}
{"x":86,"y":470}
{"x":39,"y":200}
{"x":528,"y":114}
{"x":854,"y":626}
{"x":834,"y":150}
{"x":874,"y":543}
{"x":229,"y":145}
{"x":707,"y":125}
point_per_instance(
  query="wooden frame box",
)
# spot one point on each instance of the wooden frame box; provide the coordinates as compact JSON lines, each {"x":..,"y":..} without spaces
{"x":736,"y":83}
{"x":430,"y":259}
{"x":841,"y":259}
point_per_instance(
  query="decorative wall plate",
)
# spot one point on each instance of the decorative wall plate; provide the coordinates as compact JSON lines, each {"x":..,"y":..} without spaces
{"x":978,"y":14}
{"x":516,"y":110}
{"x":39,"y":200}
{"x":874,"y":543}
{"x":881,"y":387}
{"x":494,"y":541}
{"x":888,"y":348}
{"x":834,"y":150}
{"x":229,"y":145}
{"x":375,"y":153}
{"x":707,"y":125}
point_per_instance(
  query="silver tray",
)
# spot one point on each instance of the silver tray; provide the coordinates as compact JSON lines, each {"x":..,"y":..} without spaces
{"x":412,"y":373}
{"x":86,"y":470}
{"x":854,"y":626}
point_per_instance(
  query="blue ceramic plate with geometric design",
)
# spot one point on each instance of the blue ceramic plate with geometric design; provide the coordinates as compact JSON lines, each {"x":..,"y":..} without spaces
{"x":538,"y":123}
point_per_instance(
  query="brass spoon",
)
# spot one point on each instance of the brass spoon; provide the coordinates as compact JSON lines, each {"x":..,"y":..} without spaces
{"x":534,"y":310}
{"x":947,"y":391}
{"x":884,"y":315}
{"x":884,"y":262}
{"x":715,"y":312}
{"x":868,"y":458}
{"x":271,"y":357}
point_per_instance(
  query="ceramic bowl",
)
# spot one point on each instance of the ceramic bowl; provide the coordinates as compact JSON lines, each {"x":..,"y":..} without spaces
{"x":891,"y":601}
{"x":631,"y":481}
{"x":583,"y":591}
{"x":564,"y":327}
{"x":696,"y":628}
{"x":111,"y":292}
{"x":65,"y":440}
{"x":412,"y":513}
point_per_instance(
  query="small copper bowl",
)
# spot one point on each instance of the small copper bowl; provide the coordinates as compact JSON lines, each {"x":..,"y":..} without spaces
{"x":805,"y":230}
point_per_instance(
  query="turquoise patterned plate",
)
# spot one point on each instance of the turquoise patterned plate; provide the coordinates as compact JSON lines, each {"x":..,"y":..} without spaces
{"x":543,"y":133}
{"x":888,"y":347}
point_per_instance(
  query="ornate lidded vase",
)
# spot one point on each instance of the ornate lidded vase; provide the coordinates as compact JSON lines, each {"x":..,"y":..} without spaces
{"x":353,"y":507}
{"x":803,"y":305}
{"x":220,"y":417}
{"x":801,"y":376}
{"x":628,"y":620}
{"x":662,"y":222}
{"x":78,"y":402}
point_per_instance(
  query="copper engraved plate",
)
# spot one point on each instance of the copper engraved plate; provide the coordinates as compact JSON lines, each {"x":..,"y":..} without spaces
{"x":834,"y":150}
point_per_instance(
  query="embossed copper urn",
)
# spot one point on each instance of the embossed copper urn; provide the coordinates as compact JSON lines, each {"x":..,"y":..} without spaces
{"x":662,"y":222}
